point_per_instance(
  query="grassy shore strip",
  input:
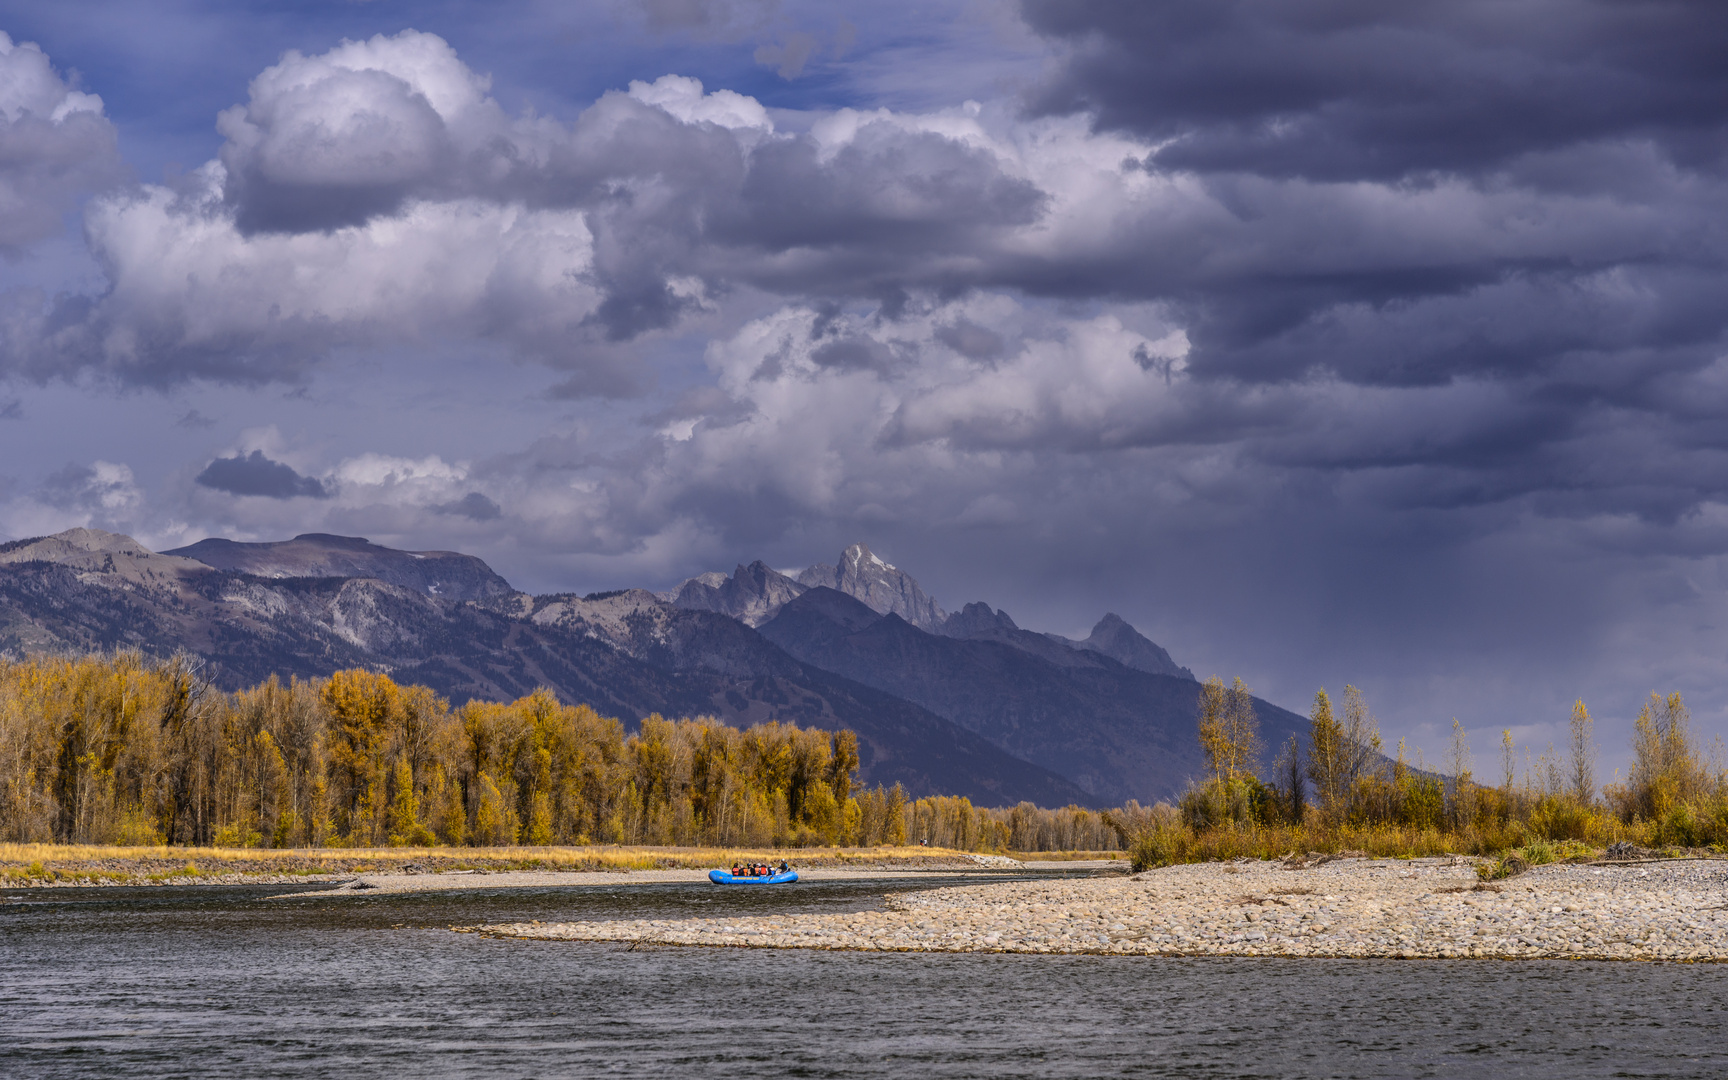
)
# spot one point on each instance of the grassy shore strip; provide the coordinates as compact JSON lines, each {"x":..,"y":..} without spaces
{"x":64,"y":865}
{"x":1351,"y":908}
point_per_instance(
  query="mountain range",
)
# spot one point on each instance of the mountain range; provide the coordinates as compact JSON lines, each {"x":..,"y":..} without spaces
{"x":964,"y":703}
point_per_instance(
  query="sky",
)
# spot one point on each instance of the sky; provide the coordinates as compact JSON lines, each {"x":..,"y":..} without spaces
{"x":1325,"y":342}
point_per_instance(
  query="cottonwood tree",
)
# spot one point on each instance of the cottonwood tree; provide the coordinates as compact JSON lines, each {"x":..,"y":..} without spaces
{"x":1666,"y":770}
{"x":1459,"y":761}
{"x":1340,"y":751}
{"x":1361,"y":734}
{"x":1325,"y":753}
{"x":1288,"y":771}
{"x":1229,"y":730}
{"x":1583,"y":754}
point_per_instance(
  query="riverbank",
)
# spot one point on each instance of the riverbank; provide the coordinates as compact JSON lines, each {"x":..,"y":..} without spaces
{"x":417,"y":869}
{"x":1347,"y":908}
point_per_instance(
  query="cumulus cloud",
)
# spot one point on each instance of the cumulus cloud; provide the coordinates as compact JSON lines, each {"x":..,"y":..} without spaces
{"x":340,"y":138}
{"x":255,"y":474}
{"x":374,"y":193}
{"x":55,"y":146}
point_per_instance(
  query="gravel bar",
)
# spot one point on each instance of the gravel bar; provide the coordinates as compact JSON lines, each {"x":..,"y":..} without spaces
{"x":1350,"y":908}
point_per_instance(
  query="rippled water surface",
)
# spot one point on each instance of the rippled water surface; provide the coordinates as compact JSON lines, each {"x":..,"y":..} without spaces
{"x":221,"y":981}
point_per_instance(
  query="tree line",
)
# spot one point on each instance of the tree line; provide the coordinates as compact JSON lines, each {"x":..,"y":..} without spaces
{"x":122,"y":749}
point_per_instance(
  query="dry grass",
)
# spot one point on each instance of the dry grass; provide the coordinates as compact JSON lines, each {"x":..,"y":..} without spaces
{"x":1061,"y":856}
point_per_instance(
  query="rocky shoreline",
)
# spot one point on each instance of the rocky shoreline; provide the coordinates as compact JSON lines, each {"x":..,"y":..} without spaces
{"x":1345,"y":908}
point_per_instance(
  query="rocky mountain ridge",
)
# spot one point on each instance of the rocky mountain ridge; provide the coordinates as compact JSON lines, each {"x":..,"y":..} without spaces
{"x":628,"y":654}
{"x":979,"y":706}
{"x":756,"y":593}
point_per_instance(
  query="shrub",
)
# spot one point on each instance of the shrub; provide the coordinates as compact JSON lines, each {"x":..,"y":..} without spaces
{"x":1238,"y":801}
{"x":1678,"y":828}
{"x":1538,"y":852}
{"x":1508,"y":865}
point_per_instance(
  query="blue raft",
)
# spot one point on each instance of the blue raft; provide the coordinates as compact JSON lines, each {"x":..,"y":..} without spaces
{"x":721,"y":877}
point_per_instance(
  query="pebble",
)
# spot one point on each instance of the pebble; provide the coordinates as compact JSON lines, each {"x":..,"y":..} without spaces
{"x":1351,"y":908}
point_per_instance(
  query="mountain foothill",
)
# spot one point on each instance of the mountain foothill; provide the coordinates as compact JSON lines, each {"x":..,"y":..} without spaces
{"x":962,"y":703}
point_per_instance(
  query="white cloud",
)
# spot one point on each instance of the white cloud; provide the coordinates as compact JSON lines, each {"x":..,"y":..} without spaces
{"x":190,"y":288}
{"x":29,"y":86}
{"x":55,"y":146}
{"x":378,"y":470}
{"x":682,"y":97}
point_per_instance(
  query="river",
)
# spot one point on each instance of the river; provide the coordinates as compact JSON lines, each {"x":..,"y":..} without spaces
{"x":223,"y":981}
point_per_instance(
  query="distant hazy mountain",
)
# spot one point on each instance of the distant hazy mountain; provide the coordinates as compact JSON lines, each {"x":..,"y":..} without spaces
{"x":626,"y":653}
{"x":976,"y":622}
{"x":446,"y":574}
{"x":1117,"y":732}
{"x":1116,"y":639}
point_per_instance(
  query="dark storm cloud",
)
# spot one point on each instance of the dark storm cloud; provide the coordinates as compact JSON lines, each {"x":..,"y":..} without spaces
{"x":1326,"y":89}
{"x":473,"y":506}
{"x":889,"y":193}
{"x":1607,"y":121}
{"x":255,"y":474}
{"x":1448,"y":254}
{"x":971,"y":340}
{"x":195,"y":421}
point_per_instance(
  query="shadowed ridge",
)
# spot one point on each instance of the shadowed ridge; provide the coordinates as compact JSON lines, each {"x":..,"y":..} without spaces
{"x":818,"y":617}
{"x":976,"y":622}
{"x":1117,"y":732}
{"x":448,"y":575}
{"x":1113,"y":637}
